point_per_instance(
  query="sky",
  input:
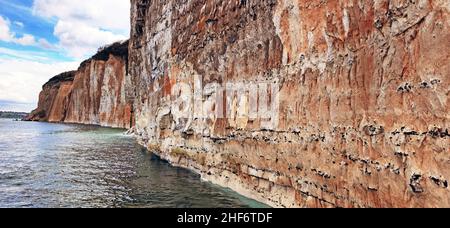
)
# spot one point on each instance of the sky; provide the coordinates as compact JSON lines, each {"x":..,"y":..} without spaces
{"x":42,"y":38}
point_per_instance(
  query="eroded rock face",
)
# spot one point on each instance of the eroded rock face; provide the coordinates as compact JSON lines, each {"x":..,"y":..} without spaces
{"x":52,"y":99}
{"x":361,"y":116}
{"x":95,"y":93}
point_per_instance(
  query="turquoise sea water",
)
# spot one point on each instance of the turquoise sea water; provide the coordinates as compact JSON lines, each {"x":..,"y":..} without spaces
{"x":56,"y":165}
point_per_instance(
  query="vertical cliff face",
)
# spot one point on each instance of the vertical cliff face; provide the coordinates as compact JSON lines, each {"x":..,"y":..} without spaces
{"x":52,"y":99}
{"x":297,"y":103}
{"x":98,"y":91}
{"x":94,"y":94}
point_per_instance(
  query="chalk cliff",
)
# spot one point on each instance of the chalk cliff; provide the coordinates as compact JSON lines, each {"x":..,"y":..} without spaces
{"x":296,"y":103}
{"x":94,"y":94}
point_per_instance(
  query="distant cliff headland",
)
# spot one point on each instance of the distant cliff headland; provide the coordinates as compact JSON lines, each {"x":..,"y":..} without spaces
{"x":293,"y":103}
{"x":93,"y":94}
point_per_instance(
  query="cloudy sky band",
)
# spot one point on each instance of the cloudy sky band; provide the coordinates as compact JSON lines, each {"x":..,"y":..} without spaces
{"x":41,"y":38}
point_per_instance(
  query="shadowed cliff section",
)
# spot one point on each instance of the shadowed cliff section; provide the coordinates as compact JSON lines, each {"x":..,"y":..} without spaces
{"x":93,"y":94}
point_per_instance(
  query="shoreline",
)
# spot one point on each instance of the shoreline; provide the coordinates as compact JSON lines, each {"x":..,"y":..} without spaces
{"x":215,"y":181}
{"x":246,"y":194}
{"x":232,"y":182}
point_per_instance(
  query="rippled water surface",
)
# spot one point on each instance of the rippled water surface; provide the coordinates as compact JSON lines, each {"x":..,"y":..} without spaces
{"x":55,"y":165}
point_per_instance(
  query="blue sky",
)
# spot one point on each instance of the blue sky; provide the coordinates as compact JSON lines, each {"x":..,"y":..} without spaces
{"x":22,"y":21}
{"x":41,"y":38}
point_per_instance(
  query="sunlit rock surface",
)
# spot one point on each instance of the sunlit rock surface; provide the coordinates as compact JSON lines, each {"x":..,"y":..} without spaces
{"x":53,"y":98}
{"x":362,"y":118}
{"x":94,"y":94}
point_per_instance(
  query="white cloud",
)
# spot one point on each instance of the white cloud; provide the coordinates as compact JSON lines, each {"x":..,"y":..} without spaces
{"x":107,"y":14}
{"x":80,"y":39}
{"x":12,"y":5}
{"x":18,"y":23}
{"x":17,"y":107}
{"x":46,"y":45}
{"x":25,"y":55}
{"x":5,"y":33}
{"x":21,"y":80}
{"x":26,"y":40}
{"x":8,"y":36}
{"x":84,"y":25}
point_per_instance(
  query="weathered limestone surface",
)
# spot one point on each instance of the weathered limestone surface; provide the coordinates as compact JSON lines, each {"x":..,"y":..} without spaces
{"x":94,"y":94}
{"x":363,"y":113}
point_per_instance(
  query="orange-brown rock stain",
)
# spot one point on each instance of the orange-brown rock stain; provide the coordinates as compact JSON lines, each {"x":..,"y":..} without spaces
{"x":363,"y":113}
{"x":95,"y":94}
